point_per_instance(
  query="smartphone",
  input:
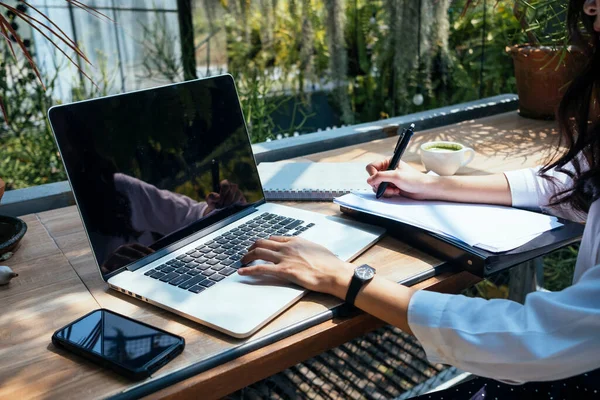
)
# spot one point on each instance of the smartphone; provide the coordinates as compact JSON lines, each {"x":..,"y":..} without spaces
{"x":129,"y":347}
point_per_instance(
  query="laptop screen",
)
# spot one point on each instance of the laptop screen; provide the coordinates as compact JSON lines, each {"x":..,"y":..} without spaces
{"x":152,"y":167}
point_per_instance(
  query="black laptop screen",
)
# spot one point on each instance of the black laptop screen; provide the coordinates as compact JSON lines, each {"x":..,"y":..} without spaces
{"x":149,"y":168}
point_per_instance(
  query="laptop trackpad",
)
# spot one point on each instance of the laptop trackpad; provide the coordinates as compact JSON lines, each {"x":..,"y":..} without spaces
{"x":245,"y":303}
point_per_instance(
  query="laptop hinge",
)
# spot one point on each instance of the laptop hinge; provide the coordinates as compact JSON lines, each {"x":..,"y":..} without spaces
{"x":189,"y":239}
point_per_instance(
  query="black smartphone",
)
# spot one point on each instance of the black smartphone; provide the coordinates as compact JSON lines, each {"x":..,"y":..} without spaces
{"x":129,"y":347}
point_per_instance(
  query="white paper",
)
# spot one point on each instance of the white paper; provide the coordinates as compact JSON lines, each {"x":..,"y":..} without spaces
{"x":493,"y":228}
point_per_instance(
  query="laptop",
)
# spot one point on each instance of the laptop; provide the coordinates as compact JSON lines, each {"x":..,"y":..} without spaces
{"x":170,"y":198}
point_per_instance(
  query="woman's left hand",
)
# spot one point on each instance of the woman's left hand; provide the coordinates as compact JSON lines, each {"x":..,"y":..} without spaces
{"x":300,"y":261}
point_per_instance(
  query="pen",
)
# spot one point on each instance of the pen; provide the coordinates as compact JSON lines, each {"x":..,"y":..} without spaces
{"x":215,"y":174}
{"x":398,"y":151}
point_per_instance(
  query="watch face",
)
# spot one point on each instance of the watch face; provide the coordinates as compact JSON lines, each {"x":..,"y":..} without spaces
{"x":364,"y":272}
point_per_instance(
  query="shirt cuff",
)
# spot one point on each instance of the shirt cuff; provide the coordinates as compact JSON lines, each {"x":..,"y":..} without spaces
{"x":425,"y":312}
{"x":523,"y":187}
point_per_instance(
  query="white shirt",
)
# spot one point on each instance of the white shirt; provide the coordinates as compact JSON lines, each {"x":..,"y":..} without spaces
{"x":552,"y":336}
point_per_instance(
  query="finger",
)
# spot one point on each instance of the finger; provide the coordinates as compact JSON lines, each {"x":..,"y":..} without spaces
{"x":227,"y":198}
{"x":260,"y":269}
{"x":228,"y":188}
{"x":239,"y":196}
{"x":382,"y":176}
{"x":266,"y":244}
{"x":234,"y":194}
{"x":391,"y":191}
{"x":375,"y":166}
{"x":143,"y":249}
{"x":281,"y":239}
{"x":260,"y":254}
{"x":371,"y":170}
{"x":213,"y":198}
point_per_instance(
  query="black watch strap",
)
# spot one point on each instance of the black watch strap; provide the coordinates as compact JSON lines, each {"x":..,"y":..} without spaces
{"x":355,"y":285}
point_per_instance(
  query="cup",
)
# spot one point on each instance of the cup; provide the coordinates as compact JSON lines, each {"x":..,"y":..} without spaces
{"x":445,"y":158}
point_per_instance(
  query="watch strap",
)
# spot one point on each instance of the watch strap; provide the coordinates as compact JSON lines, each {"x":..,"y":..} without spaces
{"x":356,"y":284}
{"x":353,"y":289}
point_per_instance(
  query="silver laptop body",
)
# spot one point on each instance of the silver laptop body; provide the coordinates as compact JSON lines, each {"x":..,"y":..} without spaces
{"x":191,"y":271}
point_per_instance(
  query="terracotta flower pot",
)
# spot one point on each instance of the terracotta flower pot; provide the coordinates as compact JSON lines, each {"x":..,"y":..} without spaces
{"x":2,"y":187}
{"x":542,"y":78}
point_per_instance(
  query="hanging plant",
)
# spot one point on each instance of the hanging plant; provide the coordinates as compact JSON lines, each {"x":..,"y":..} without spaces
{"x":42,"y":24}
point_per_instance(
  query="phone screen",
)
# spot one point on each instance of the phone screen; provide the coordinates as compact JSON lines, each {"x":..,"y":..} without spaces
{"x":117,"y":339}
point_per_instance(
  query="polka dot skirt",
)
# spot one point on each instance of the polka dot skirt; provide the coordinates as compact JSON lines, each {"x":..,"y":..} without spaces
{"x":585,"y":386}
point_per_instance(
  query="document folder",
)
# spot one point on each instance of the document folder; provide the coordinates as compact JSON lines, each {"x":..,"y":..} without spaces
{"x":471,"y":259}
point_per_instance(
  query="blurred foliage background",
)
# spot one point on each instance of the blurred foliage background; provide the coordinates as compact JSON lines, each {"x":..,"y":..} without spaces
{"x":300,"y":66}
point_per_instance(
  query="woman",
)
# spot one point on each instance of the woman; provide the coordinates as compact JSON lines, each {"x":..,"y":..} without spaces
{"x":553,"y":335}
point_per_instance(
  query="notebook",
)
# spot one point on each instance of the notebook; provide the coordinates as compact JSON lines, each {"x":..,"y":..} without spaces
{"x":318,"y":181}
{"x":491,"y":228}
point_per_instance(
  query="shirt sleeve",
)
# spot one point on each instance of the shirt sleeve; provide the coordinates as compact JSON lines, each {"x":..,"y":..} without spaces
{"x":554,"y":335}
{"x":156,"y":210}
{"x":530,"y":190}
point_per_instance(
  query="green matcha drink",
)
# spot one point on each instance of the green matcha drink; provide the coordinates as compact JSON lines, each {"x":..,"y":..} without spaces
{"x":444,"y":148}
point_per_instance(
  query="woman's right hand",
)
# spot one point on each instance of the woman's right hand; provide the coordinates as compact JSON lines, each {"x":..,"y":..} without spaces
{"x":404,"y":180}
{"x":228,"y":195}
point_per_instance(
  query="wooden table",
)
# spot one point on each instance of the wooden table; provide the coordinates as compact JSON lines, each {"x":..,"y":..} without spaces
{"x":58,"y":281}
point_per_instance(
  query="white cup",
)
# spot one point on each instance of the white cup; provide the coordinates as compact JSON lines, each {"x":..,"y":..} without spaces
{"x":445,"y":158}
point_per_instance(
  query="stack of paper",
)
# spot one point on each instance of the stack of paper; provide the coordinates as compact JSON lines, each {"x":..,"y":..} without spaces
{"x":491,"y":228}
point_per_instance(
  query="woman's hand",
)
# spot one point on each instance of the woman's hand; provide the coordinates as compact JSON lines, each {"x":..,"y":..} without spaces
{"x":404,"y":180}
{"x":229,"y":194}
{"x":408,"y":182}
{"x":300,"y":261}
{"x":314,"y":267}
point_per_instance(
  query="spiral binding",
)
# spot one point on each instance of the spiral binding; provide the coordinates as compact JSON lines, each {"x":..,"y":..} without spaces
{"x":306,"y":195}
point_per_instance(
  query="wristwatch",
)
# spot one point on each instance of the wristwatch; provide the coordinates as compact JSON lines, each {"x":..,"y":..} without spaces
{"x":362,"y":275}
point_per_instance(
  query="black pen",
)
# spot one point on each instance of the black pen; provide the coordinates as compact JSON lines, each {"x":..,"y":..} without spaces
{"x":215,"y":174}
{"x":398,"y":151}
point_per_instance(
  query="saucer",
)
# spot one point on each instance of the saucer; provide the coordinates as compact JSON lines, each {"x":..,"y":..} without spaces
{"x":12,"y":231}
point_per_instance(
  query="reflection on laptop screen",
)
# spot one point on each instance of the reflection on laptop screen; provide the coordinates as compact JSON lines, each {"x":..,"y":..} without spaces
{"x":151,"y":167}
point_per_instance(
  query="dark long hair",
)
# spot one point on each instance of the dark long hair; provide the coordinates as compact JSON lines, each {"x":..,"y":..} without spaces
{"x":578,"y":134}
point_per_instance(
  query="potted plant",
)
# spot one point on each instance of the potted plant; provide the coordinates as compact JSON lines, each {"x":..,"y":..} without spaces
{"x":547,"y":63}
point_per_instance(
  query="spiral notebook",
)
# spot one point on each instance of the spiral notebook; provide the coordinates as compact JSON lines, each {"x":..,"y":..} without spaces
{"x":312,"y":181}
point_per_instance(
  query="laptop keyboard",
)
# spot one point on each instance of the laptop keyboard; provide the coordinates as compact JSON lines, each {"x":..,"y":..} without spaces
{"x":213,"y":261}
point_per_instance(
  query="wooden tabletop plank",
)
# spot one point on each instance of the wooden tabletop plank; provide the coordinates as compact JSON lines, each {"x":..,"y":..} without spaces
{"x":45,"y":296}
{"x":59,"y":282}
